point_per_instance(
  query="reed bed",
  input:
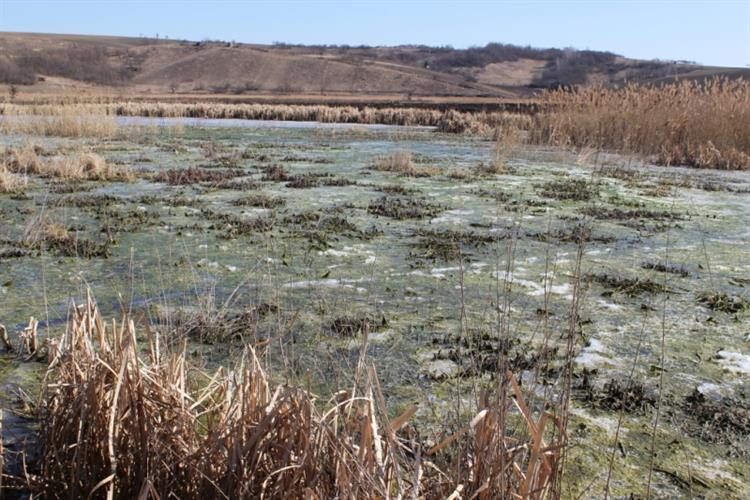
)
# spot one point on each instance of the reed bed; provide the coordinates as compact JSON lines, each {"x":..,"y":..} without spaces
{"x":125,"y":420}
{"x":705,"y":125}
{"x":698,"y":124}
{"x":68,"y":120}
{"x":98,"y":119}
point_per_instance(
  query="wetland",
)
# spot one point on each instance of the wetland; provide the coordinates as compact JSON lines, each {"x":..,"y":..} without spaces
{"x":322,"y":243}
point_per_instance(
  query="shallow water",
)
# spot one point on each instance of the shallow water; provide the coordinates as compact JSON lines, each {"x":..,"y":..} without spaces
{"x":172,"y":251}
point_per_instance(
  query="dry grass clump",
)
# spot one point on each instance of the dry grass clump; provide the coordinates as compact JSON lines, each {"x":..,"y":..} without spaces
{"x":508,"y":140}
{"x":11,"y":182}
{"x":76,"y":167}
{"x":687,"y":123}
{"x":401,"y":162}
{"x":61,"y":120}
{"x":127,"y":421}
{"x":86,"y":166}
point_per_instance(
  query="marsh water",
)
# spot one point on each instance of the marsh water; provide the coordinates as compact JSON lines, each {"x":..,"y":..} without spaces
{"x":304,"y":229}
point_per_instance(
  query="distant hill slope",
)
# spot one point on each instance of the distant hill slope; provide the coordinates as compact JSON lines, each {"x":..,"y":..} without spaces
{"x":144,"y":64}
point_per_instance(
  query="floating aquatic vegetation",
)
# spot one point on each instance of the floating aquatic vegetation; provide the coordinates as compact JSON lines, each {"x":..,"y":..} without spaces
{"x":718,"y":419}
{"x":403,"y":208}
{"x":259,"y":200}
{"x":630,"y":287}
{"x":573,"y":189}
{"x":629,"y":396}
{"x":723,"y":302}
{"x":666,"y":268}
{"x":275,"y":173}
{"x":193,"y":175}
{"x":348,"y":326}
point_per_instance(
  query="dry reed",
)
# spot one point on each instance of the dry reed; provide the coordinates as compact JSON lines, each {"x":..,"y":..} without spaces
{"x":401,"y":162}
{"x":127,"y":421}
{"x":688,"y":123}
{"x":69,"y":120}
{"x":11,"y":182}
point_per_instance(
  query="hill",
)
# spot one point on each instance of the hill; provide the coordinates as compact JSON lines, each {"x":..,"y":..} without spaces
{"x":144,"y":65}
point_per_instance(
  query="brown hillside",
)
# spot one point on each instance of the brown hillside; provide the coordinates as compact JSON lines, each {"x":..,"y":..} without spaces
{"x":142,"y":65}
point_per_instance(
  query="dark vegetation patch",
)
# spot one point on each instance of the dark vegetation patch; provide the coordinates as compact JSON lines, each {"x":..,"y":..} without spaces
{"x":175,"y":200}
{"x":307,"y":159}
{"x":234,"y":184}
{"x":114,"y":220}
{"x":448,"y":245}
{"x":193,"y":175}
{"x":12,"y":252}
{"x":305,"y":181}
{"x":403,"y":208}
{"x":232,"y":226}
{"x":498,"y":195}
{"x":616,"y":213}
{"x":313,"y":180}
{"x":526,"y":205}
{"x":69,"y":244}
{"x":69,"y":187}
{"x":569,"y":190}
{"x":724,"y":420}
{"x":219,"y":326}
{"x":275,"y":173}
{"x":622,"y":173}
{"x":666,"y":268}
{"x":320,"y":228}
{"x":87,"y":201}
{"x":571,"y":234}
{"x":349,"y":326}
{"x":630,"y":287}
{"x":259,"y":200}
{"x":394,"y":189}
{"x":330,"y":180}
{"x":723,"y":302}
{"x":479,"y":353}
{"x":629,"y":396}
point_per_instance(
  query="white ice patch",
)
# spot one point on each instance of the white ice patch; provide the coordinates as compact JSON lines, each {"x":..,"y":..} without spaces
{"x":326,"y":283}
{"x":734,"y":361}
{"x":593,"y":355}
{"x":453,"y":217}
{"x":608,"y":424}
{"x":441,"y":270}
{"x":335,"y":253}
{"x":609,"y":305}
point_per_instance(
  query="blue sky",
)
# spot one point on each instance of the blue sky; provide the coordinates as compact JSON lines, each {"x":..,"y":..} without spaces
{"x":709,"y":32}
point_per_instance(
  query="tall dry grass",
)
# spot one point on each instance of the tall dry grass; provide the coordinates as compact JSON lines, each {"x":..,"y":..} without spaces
{"x":401,"y":162}
{"x":703,"y":125}
{"x":58,"y":120}
{"x":11,"y":182}
{"x":24,"y":160}
{"x":125,"y":420}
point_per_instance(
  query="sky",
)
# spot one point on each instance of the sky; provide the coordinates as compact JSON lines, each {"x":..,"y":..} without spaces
{"x":708,"y":32}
